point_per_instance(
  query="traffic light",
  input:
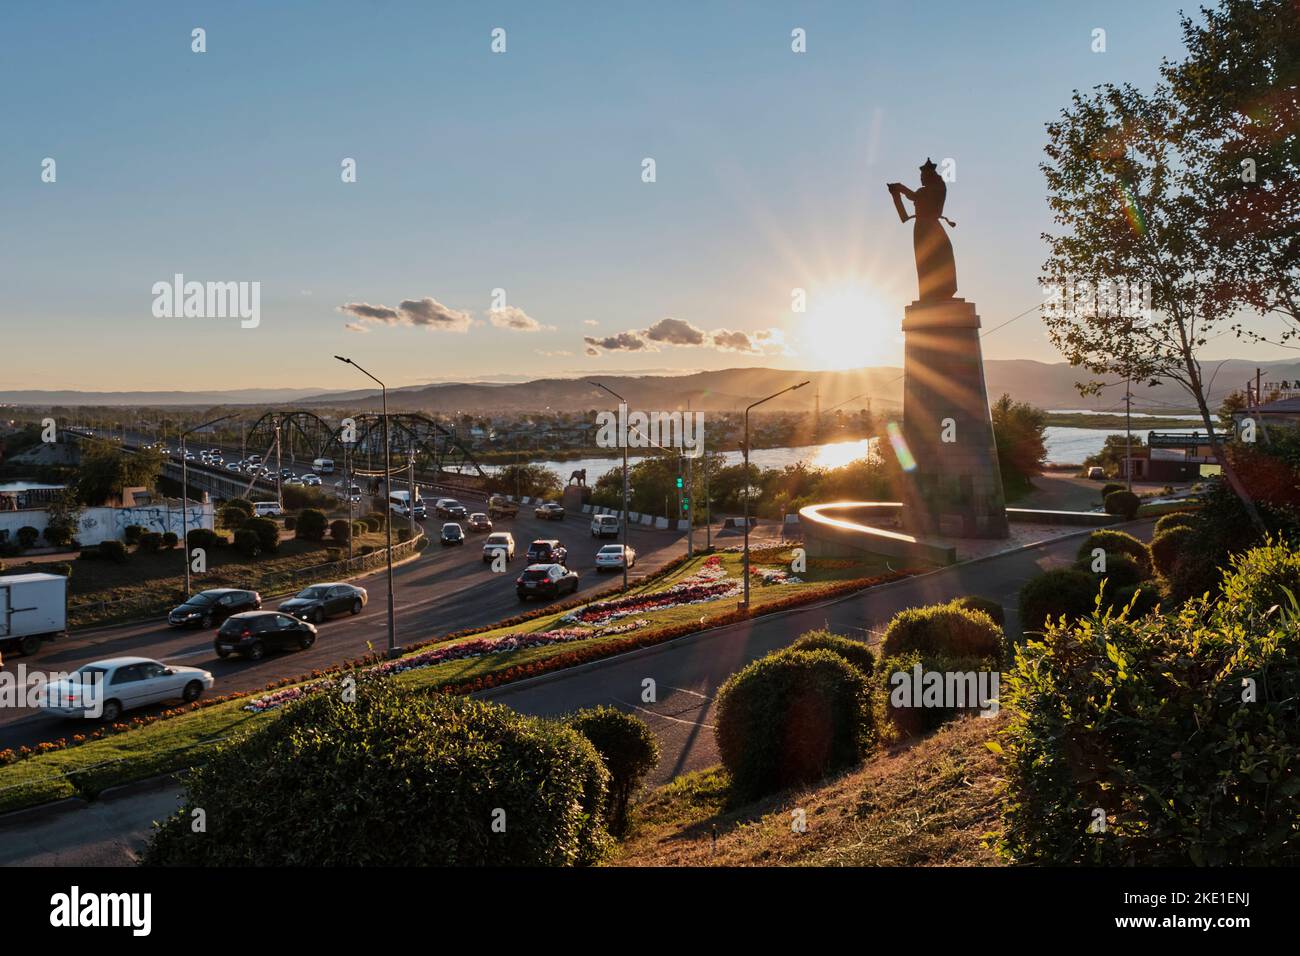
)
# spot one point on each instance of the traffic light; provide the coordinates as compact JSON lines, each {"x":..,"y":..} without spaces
{"x":686,"y":504}
{"x":679,"y":481}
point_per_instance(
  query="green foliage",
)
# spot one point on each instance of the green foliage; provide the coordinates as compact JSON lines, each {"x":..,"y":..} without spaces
{"x":1121,"y":571}
{"x":990,"y":607}
{"x":1109,"y":488}
{"x":310,"y":525}
{"x":204,"y":538}
{"x":1258,"y":581}
{"x":267,"y":531}
{"x":629,"y":751}
{"x":290,"y":522}
{"x":943,"y":629}
{"x":27,"y":536}
{"x":62,"y":517}
{"x":341,"y":530}
{"x":855,"y":652}
{"x":242,"y":505}
{"x":1168,"y":547}
{"x":906,"y":711}
{"x":231,"y":517}
{"x":1051,"y":594}
{"x":1123,"y":504}
{"x":1184,"y":729}
{"x":150,"y":542}
{"x":113,"y":550}
{"x":1018,"y":430}
{"x":397,"y":778}
{"x":247,"y":542}
{"x":131,"y":533}
{"x":170,"y":539}
{"x":525,"y":480}
{"x":1176,"y":519}
{"x":297,"y":497}
{"x":791,"y":718}
{"x":105,"y":470}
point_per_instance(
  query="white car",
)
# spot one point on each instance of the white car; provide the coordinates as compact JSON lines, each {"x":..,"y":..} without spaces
{"x":610,"y":558}
{"x":312,"y":480}
{"x":496,"y":542}
{"x":266,"y":509}
{"x":604,"y":526}
{"x":106,"y":688}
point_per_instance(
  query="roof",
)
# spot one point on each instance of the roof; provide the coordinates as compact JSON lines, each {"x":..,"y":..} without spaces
{"x":30,"y":576}
{"x":121,"y":661}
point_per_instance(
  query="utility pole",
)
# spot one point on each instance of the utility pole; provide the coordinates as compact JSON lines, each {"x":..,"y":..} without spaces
{"x":1128,"y":430}
{"x":410,"y":491}
{"x":690,"y":494}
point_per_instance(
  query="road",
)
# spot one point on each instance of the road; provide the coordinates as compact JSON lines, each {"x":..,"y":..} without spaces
{"x":446,"y":589}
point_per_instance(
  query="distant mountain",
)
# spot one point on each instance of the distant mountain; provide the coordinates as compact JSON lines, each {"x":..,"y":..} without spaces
{"x":236,"y":396}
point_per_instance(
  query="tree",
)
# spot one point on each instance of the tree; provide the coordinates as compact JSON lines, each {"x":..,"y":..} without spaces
{"x":1018,"y":429}
{"x":1124,"y":188}
{"x":526,"y":480}
{"x":105,"y":470}
{"x":63,"y":517}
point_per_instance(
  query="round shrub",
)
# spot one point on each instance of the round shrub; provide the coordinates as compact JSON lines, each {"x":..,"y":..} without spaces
{"x":373,"y":523}
{"x":1168,"y":547}
{"x":1115,"y":542}
{"x":170,"y":539}
{"x":1148,"y":599}
{"x":791,"y":718}
{"x":89,"y":554}
{"x":267,"y":531}
{"x":358,"y":528}
{"x":989,"y":606}
{"x":341,"y":530}
{"x":1067,"y":591}
{"x":242,"y":505}
{"x":248,"y":543}
{"x":58,"y":534}
{"x":131,"y":533}
{"x":27,"y":536}
{"x":396,"y":778}
{"x":1258,"y":580}
{"x":855,"y":652}
{"x":1175,"y":519}
{"x":113,"y":550}
{"x":1109,"y":488}
{"x":150,"y":541}
{"x":903,"y":688}
{"x":629,"y":751}
{"x":231,"y":517}
{"x":942,"y":629}
{"x":204,"y":538}
{"x":366,"y":549}
{"x":311,"y":525}
{"x":1120,"y":570}
{"x":290,"y":522}
{"x":1123,"y":504}
{"x":334,"y":554}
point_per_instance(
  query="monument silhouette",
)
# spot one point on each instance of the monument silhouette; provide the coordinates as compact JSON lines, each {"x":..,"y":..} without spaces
{"x":954,"y":486}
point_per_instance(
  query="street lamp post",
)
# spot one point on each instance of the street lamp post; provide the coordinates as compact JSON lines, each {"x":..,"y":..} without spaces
{"x":393,"y":649}
{"x":185,"y":491}
{"x":746,"y":474}
{"x":622,"y":439}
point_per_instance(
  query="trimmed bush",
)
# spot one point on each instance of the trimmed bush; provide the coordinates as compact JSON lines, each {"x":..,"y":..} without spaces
{"x":908,"y":705}
{"x":334,"y":554}
{"x":267,"y":531}
{"x":425,"y":778}
{"x":170,"y":539}
{"x":989,"y":606}
{"x":791,"y":718}
{"x":240,"y":504}
{"x":1175,"y":519}
{"x":358,"y":529}
{"x":131,"y":533}
{"x":1067,"y":591}
{"x":113,"y":550}
{"x":942,"y":629}
{"x":1123,"y":504}
{"x":27,"y":536}
{"x":1257,"y":581}
{"x":89,"y":554}
{"x":1148,"y":599}
{"x":290,"y":522}
{"x":298,"y":497}
{"x":1115,"y":542}
{"x":231,"y":517}
{"x":629,"y":751}
{"x":341,"y":530}
{"x":248,"y":543}
{"x":150,"y":542}
{"x":1169,"y":546}
{"x":204,"y":538}
{"x":311,"y":525}
{"x":366,"y":549}
{"x":855,"y":652}
{"x":1121,"y":571}
{"x":372,"y":522}
{"x":1109,"y":488}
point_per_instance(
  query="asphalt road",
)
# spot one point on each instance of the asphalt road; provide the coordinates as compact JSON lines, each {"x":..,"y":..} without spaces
{"x":445,"y":589}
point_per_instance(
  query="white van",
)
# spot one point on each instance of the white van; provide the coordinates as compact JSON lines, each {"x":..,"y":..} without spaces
{"x":399,"y":503}
{"x":323,"y":466}
{"x":604,"y":526}
{"x":266,"y":509}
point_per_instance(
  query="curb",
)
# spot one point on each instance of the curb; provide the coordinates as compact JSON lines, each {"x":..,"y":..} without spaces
{"x":42,"y":811}
{"x":131,"y":788}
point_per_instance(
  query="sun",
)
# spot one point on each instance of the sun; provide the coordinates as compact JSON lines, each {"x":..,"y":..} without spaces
{"x":846,"y":326}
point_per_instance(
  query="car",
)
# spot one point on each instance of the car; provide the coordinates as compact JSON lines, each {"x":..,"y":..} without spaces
{"x":604,"y":526}
{"x":452,"y":533}
{"x":1097,"y":473}
{"x":450,"y":508}
{"x":233,"y":466}
{"x":105,"y":688}
{"x":293,"y":481}
{"x":286,"y":473}
{"x":213,"y":606}
{"x":545,"y":580}
{"x":499,"y":506}
{"x":549,"y":511}
{"x":254,"y":459}
{"x":547,"y":551}
{"x":312,"y":481}
{"x":252,"y":633}
{"x":266,"y":509}
{"x":478,"y":521}
{"x":610,"y":557}
{"x":499,"y":541}
{"x":319,"y":601}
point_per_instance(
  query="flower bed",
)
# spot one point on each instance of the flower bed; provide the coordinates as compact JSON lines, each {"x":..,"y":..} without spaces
{"x":709,"y":583}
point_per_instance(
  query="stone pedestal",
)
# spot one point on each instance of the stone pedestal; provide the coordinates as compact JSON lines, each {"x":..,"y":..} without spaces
{"x":955,"y":487}
{"x":573,"y":498}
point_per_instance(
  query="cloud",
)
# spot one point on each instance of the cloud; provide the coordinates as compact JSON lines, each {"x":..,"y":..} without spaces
{"x":623,"y":342}
{"x":426,"y":312}
{"x":590,"y":322}
{"x":516,"y":319}
{"x":356,"y":327}
{"x":750,"y":343}
{"x":675,"y":332}
{"x":552,"y":354}
{"x":370,"y":313}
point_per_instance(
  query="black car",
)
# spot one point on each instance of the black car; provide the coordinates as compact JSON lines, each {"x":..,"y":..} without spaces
{"x":213,"y":606}
{"x":545,"y":581}
{"x":452,"y":533}
{"x":450,"y":508}
{"x":547,"y":551}
{"x":325,"y":600}
{"x":251,"y":634}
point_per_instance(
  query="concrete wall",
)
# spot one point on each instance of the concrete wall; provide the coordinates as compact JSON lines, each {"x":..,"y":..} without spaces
{"x":102,"y":524}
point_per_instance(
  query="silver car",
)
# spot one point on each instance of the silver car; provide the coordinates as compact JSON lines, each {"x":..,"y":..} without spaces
{"x":106,"y":688}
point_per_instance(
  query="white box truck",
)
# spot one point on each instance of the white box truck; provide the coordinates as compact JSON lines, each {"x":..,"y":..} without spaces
{"x":32,"y":607}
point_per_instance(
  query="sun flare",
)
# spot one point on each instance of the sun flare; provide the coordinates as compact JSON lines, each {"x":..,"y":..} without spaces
{"x":846,"y":326}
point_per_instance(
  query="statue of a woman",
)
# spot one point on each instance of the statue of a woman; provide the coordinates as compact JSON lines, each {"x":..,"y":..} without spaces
{"x":936,"y":271}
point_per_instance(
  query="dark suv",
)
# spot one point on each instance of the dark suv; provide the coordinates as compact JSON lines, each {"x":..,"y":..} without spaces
{"x":547,"y":551}
{"x":545,"y":581}
{"x":213,"y":606}
{"x":252,"y":633}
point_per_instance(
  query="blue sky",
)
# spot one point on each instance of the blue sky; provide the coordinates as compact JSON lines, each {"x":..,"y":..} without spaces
{"x":522,"y":171}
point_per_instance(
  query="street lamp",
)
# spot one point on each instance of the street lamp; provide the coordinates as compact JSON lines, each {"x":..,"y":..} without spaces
{"x":622,"y":438}
{"x":185,"y":491}
{"x":746,"y":474}
{"x":393,"y":649}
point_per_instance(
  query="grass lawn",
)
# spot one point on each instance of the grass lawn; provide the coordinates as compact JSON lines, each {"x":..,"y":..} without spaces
{"x":168,"y":744}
